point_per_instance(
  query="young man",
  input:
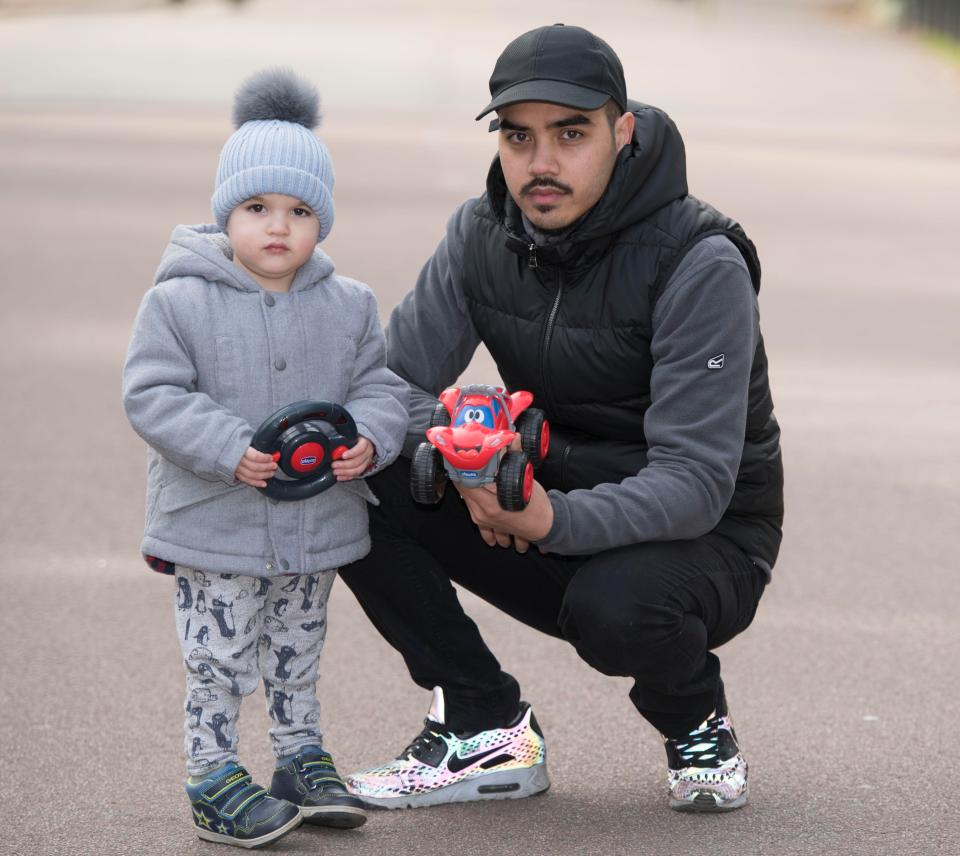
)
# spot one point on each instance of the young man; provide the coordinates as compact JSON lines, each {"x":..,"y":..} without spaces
{"x":628,"y":308}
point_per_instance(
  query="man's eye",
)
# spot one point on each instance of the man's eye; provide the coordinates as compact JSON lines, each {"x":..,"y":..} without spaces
{"x":517,"y":137}
{"x":571,"y":134}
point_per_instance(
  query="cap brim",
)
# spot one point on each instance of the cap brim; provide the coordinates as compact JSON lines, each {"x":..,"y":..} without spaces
{"x":551,"y":91}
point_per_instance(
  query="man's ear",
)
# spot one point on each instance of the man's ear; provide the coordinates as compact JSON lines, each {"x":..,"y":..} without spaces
{"x":623,"y":130}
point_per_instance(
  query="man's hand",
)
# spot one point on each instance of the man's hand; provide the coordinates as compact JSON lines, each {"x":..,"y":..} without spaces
{"x":355,"y":461}
{"x":255,"y":468}
{"x":498,"y":527}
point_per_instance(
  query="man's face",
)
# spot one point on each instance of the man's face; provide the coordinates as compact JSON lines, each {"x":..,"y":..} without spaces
{"x":557,"y":160}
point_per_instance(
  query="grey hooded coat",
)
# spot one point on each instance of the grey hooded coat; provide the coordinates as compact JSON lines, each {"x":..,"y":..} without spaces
{"x":212,"y":355}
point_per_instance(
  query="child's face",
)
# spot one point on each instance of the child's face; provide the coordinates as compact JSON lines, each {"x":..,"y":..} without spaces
{"x":272,"y":236}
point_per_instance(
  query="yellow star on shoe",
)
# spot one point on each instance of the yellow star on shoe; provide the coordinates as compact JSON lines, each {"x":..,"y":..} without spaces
{"x":222,"y":829}
{"x":202,"y":819}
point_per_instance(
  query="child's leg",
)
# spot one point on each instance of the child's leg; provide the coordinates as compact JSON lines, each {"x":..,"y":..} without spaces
{"x":294,"y":626}
{"x":218,"y":623}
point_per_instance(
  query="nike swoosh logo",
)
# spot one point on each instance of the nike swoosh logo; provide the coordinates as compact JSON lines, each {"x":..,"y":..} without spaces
{"x":456,"y":763}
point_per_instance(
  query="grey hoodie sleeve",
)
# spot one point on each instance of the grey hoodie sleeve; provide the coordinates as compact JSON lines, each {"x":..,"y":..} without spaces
{"x":162,"y":404}
{"x":430,"y":337}
{"x":705,"y":332}
{"x":378,"y":398}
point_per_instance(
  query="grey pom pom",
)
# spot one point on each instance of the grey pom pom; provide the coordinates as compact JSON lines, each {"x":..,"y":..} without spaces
{"x":276,"y":93}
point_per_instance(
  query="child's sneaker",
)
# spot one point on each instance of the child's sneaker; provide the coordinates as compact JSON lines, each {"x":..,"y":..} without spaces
{"x":707,"y":772}
{"x":310,"y":780}
{"x":442,"y":767}
{"x":230,"y":809}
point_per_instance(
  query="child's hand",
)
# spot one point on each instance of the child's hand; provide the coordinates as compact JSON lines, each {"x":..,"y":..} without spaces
{"x":255,"y":468}
{"x":355,"y":461}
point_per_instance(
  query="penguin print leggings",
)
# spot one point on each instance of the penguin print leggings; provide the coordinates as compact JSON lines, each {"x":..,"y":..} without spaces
{"x":235,"y":629}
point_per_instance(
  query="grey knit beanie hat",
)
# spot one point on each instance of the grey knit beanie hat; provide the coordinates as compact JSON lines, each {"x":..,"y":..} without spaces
{"x":274,"y":149}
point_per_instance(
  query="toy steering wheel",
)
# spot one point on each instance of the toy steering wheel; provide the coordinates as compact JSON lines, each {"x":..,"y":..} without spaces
{"x":305,"y":438}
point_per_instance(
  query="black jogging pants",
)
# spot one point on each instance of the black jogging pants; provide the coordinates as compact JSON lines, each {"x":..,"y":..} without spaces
{"x":651,"y":611}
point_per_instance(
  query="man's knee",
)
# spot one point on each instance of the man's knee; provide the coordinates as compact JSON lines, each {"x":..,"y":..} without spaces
{"x":398,"y":517}
{"x":619,"y":630}
{"x":391,"y":486}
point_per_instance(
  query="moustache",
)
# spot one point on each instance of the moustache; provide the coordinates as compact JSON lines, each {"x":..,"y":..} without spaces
{"x":545,"y":182}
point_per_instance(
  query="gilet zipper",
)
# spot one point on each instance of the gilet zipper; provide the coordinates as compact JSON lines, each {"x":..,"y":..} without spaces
{"x":545,"y":343}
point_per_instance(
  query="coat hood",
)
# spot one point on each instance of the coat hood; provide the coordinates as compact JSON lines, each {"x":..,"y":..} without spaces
{"x":649,"y":173}
{"x":204,"y":251}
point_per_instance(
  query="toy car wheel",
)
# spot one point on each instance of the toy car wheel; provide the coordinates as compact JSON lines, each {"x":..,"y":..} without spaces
{"x":534,"y":433}
{"x":515,"y":481}
{"x":428,"y":478}
{"x":440,"y":417}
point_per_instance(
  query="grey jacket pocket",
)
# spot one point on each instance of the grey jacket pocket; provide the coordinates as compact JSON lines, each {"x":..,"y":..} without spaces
{"x":190,"y":490}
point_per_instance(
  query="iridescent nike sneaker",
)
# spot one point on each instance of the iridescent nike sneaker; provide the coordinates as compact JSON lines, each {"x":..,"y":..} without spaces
{"x":441,"y":767}
{"x":707,"y":772}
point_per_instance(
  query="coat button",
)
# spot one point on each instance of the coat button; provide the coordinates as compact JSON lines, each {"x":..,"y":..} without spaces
{"x":269,"y":299}
{"x":285,"y":564}
{"x":269,"y":566}
{"x":279,"y":364}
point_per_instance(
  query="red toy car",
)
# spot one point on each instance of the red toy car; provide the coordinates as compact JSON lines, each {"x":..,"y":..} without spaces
{"x":469,"y":443}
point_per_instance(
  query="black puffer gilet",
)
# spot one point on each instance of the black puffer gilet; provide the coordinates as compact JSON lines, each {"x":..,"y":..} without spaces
{"x":571,"y":323}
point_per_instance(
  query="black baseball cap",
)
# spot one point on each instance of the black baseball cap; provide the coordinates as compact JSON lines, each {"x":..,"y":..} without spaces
{"x":558,"y":64}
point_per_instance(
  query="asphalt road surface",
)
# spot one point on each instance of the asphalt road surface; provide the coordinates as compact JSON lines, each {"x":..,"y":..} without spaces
{"x":835,"y":142}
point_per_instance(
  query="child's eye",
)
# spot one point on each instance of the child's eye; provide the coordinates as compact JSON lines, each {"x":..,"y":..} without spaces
{"x":302,"y":212}
{"x":256,"y":208}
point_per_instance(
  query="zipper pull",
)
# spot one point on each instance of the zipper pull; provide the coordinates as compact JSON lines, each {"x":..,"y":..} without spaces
{"x":532,"y":257}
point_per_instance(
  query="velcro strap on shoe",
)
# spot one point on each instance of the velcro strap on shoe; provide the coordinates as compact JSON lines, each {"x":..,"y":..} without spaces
{"x":232,"y":793}
{"x":222,"y":784}
{"x":241,"y":799}
{"x":315,"y":780}
{"x":320,"y":771}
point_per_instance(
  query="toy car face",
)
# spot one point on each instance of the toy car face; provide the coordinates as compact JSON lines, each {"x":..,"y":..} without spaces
{"x":481,"y":411}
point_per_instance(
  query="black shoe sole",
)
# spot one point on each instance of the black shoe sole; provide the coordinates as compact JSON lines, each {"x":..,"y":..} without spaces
{"x":335,"y":816}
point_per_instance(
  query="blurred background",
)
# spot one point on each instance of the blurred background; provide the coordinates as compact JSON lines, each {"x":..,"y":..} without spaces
{"x":830,"y":130}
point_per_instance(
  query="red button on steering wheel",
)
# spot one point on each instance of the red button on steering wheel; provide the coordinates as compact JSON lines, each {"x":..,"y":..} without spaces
{"x":308,"y":457}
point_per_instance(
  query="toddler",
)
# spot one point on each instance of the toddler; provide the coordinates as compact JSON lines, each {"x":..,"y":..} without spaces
{"x":247,"y":316}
